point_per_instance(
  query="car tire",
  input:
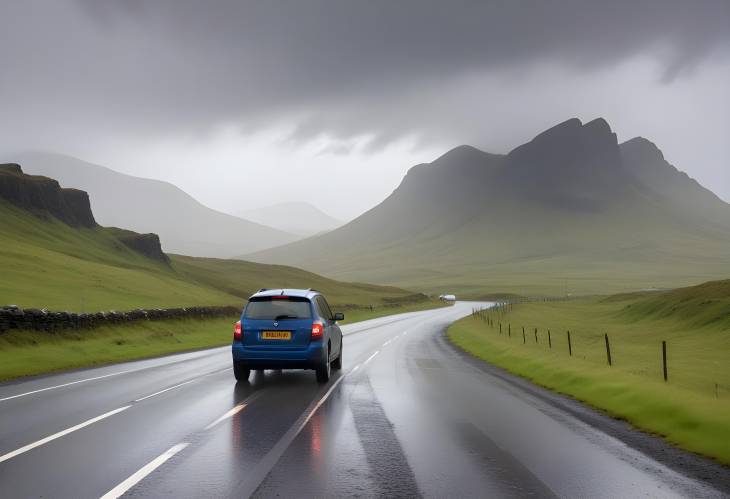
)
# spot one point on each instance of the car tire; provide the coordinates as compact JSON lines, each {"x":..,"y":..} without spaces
{"x":241,"y":373}
{"x":337,"y":363}
{"x":323,"y":372}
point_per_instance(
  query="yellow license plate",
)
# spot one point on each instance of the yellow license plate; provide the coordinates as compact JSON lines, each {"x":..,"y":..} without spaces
{"x":276,"y":335}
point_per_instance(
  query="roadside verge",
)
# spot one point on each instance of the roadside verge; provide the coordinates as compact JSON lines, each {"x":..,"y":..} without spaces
{"x":689,"y":420}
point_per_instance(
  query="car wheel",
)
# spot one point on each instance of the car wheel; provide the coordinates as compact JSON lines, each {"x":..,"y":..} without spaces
{"x":337,"y":363}
{"x":323,"y":372}
{"x":240,"y":372}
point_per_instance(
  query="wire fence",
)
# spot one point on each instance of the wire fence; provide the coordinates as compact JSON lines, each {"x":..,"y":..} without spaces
{"x":640,"y":358}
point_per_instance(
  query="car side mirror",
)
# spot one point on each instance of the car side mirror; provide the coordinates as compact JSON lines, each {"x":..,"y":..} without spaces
{"x":339,"y":316}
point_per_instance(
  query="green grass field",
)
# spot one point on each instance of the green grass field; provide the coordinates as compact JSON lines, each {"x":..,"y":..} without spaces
{"x":691,"y":410}
{"x":24,"y":353}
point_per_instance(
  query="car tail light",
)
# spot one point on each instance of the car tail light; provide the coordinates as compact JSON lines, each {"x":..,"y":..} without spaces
{"x":237,"y":331}
{"x":317,"y":330}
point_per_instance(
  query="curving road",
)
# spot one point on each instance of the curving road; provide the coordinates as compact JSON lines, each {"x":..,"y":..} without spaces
{"x":407,"y":416}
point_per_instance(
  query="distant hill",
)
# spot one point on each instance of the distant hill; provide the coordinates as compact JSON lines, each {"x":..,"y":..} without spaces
{"x":707,"y":304}
{"x":571,"y":211}
{"x":184,"y":225}
{"x":302,"y":219}
{"x":54,"y":255}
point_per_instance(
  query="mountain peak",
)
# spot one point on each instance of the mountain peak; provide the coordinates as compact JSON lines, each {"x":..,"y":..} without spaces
{"x":599,"y":125}
{"x":572,"y":165}
{"x":644,"y":147}
{"x":570,"y":135}
{"x":459,"y":154}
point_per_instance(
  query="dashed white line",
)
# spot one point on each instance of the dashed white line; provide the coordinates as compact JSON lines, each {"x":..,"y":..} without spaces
{"x":183,"y":384}
{"x":68,"y":384}
{"x":371,"y":357}
{"x":148,"y":468}
{"x":227,"y":415}
{"x":60,"y":434}
{"x":319,"y":403}
{"x":166,"y":390}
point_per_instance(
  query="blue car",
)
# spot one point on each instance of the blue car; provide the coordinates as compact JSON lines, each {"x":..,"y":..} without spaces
{"x":287,"y":329}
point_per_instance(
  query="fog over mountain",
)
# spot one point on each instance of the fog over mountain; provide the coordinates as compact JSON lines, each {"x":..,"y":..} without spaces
{"x":184,"y":225}
{"x":254,"y":95}
{"x":303,"y":219}
{"x":572,"y":207}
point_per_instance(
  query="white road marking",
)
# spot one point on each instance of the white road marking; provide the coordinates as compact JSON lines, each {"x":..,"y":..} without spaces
{"x":60,"y":434}
{"x":267,"y":462}
{"x":319,"y":403}
{"x":371,"y":357}
{"x":166,"y":389}
{"x":227,"y":415}
{"x":148,"y":468}
{"x":68,"y":384}
{"x":183,"y":384}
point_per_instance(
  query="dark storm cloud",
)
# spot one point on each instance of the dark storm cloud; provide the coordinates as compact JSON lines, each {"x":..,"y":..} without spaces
{"x":164,"y":67}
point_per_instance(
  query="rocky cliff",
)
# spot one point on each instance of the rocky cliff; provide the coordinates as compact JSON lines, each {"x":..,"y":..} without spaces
{"x":43,"y":195}
{"x":147,"y":244}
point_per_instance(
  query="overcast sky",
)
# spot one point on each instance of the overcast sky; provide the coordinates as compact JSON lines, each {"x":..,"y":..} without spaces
{"x":252,"y":103}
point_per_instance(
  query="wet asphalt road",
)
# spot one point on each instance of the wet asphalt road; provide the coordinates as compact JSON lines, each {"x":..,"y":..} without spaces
{"x":407,"y":416}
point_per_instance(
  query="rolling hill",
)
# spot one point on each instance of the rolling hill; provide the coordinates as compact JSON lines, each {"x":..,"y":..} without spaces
{"x":302,"y":219}
{"x":570,"y":211}
{"x":54,"y":255}
{"x":184,"y":225}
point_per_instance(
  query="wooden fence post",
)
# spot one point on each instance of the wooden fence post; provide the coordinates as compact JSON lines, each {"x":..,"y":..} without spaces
{"x":608,"y":349}
{"x":524,"y":339}
{"x":664,"y":359}
{"x":550,"y":341}
{"x":535,"y":335}
{"x":570,"y":347}
{"x":509,"y":330}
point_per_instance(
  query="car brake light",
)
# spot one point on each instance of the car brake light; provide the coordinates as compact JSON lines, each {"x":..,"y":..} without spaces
{"x":237,"y":331}
{"x":317,"y":330}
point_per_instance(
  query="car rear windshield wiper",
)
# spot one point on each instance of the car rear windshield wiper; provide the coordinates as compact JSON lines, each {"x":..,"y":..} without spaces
{"x":284,"y":316}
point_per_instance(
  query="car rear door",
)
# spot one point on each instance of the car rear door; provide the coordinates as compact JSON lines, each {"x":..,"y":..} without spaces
{"x":277,"y":323}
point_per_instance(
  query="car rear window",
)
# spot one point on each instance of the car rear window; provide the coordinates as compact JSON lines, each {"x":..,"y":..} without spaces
{"x":268,"y":308}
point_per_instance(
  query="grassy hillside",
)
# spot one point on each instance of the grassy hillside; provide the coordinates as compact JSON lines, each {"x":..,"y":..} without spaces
{"x":45,"y":263}
{"x":703,"y":306}
{"x":690,"y":409}
{"x":241,"y":278}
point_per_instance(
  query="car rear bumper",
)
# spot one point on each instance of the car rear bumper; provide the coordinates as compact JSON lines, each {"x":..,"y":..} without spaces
{"x":255,"y":358}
